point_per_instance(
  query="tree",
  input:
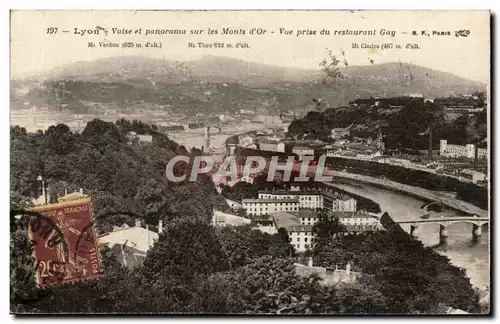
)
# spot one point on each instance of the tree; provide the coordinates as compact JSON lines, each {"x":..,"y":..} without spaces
{"x":262,"y":287}
{"x":185,"y":249}
{"x":326,"y":228}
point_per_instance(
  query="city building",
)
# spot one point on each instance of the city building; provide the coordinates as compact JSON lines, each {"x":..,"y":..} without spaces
{"x":224,"y":219}
{"x":358,"y":221}
{"x":451,"y":150}
{"x":343,"y":204}
{"x":472,"y":176}
{"x":482,"y":153}
{"x":313,"y":199}
{"x":354,"y":221}
{"x":301,"y":237}
{"x":302,"y":151}
{"x":299,"y":224}
{"x":141,"y":139}
{"x":337,"y":133}
{"x":240,"y":177}
{"x":130,"y":244}
{"x":268,"y":119}
{"x":337,"y":202}
{"x":257,"y":207}
{"x":268,"y":145}
{"x":307,"y":199}
{"x":275,"y":136}
{"x":234,"y":204}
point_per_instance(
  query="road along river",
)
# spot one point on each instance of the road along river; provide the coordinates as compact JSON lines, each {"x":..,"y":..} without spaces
{"x":473,"y":257}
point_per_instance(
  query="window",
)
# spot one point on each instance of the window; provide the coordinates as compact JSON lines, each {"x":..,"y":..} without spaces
{"x":305,"y":240}
{"x":298,"y":239}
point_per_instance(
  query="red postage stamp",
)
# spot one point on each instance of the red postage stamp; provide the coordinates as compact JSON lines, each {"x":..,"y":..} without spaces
{"x":65,"y":243}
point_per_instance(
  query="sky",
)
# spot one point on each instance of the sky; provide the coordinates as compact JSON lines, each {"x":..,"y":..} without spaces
{"x":35,"y":50}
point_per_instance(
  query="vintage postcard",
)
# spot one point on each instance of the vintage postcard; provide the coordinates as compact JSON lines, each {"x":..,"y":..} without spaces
{"x":250,"y":162}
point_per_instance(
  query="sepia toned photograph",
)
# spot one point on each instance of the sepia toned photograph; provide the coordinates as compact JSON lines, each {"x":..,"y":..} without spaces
{"x":250,"y":162}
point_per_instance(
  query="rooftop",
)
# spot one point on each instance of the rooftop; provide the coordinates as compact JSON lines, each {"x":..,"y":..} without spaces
{"x":285,"y":219}
{"x":136,"y":237}
{"x":291,"y":193}
{"x":301,"y":148}
{"x":300,"y":228}
{"x":307,"y":213}
{"x":265,"y":141}
{"x":268,"y":201}
{"x":356,"y":214}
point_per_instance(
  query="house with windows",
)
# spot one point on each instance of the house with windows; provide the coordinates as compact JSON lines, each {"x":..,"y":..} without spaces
{"x":257,"y":207}
{"x":354,"y":221}
{"x":299,"y":225}
{"x":313,"y":199}
{"x":301,"y":237}
{"x":337,"y":133}
{"x":307,"y":199}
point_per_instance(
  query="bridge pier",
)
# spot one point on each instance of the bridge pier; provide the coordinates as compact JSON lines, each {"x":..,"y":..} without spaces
{"x":443,"y":234}
{"x":414,"y":231}
{"x":476,"y":232}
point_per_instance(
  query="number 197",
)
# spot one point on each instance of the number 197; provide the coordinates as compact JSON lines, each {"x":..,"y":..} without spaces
{"x":52,"y":30}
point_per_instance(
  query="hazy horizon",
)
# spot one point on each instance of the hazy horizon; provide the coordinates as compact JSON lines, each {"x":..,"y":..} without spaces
{"x":39,"y":74}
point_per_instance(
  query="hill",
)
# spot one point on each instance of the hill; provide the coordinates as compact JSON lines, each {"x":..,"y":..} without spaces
{"x":219,"y":84}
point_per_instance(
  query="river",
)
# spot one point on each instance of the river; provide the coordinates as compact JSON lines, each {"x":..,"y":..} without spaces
{"x":462,"y":252}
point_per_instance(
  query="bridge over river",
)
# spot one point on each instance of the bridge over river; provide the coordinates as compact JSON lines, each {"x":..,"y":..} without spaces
{"x":444,"y":222}
{"x":434,"y":196}
{"x":475,"y":215}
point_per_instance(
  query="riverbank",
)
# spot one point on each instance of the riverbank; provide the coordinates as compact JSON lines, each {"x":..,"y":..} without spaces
{"x":462,"y":252}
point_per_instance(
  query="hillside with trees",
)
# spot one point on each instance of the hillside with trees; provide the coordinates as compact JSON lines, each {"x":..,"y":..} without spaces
{"x":403,"y":128}
{"x":195,"y":267}
{"x":220,"y":84}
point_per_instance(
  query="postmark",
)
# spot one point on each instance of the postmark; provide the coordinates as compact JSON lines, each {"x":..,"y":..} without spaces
{"x":57,"y":260}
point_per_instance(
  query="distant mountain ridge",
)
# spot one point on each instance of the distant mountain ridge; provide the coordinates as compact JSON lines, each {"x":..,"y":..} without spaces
{"x":215,"y":84}
{"x":223,"y":69}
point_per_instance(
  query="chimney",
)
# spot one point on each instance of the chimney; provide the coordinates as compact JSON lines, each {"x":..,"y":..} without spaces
{"x":81,"y":191}
{"x":160,"y":226}
{"x":348,"y":268}
{"x":310,"y":262}
{"x":137,"y":222}
{"x":65,"y":191}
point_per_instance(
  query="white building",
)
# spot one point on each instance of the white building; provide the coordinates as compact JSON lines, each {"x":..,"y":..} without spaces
{"x":354,"y":221}
{"x":482,"y":153}
{"x":267,"y":145}
{"x":344,"y":204}
{"x":142,"y":139}
{"x":467,"y":151}
{"x":307,"y":199}
{"x":258,"y":207}
{"x":337,"y":133}
{"x":234,"y":204}
{"x":301,"y":237}
{"x":313,"y":199}
{"x":302,"y":151}
{"x":337,"y":202}
{"x":224,"y":219}
{"x":299,"y":224}
{"x":472,"y":176}
{"x":130,"y":244}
